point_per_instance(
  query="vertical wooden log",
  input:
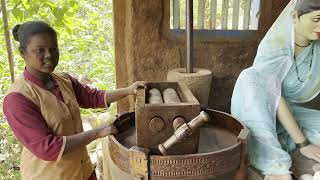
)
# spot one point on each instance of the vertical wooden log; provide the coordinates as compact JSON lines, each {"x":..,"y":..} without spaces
{"x":201,"y":13}
{"x":225,"y":9}
{"x":246,"y":16}
{"x":7,"y":38}
{"x":235,"y":14}
{"x":176,"y":14}
{"x":213,"y":14}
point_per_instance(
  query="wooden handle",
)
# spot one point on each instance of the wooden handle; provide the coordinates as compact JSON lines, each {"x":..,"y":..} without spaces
{"x":184,"y":131}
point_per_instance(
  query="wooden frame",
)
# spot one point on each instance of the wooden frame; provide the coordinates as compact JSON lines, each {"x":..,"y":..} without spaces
{"x":219,"y":35}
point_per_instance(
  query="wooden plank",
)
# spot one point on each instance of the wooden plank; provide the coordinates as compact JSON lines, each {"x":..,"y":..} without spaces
{"x":246,"y":16}
{"x":225,"y":9}
{"x":176,"y":14}
{"x":235,"y":14}
{"x":213,"y":14}
{"x":201,"y":13}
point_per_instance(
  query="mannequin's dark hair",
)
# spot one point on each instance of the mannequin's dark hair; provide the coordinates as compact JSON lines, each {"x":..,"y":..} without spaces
{"x":307,"y":6}
{"x":23,"y":32}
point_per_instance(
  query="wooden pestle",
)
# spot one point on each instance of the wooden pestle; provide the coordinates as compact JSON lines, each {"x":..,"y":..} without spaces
{"x":184,"y":131}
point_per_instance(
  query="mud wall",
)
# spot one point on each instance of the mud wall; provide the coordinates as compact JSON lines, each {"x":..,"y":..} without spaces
{"x":145,"y":47}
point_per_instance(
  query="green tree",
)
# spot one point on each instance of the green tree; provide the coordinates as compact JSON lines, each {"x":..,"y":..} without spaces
{"x":85,"y":38}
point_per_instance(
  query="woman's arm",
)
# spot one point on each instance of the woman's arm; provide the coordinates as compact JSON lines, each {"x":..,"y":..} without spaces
{"x":93,"y":98}
{"x":84,"y":138}
{"x":289,"y":123}
{"x":31,"y":130}
{"x":73,"y":142}
{"x":115,"y":95}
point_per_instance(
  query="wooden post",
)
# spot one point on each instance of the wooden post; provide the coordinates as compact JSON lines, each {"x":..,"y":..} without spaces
{"x":225,"y":12}
{"x":213,"y":14}
{"x":246,"y":17}
{"x":235,"y":14}
{"x":176,"y":14}
{"x":201,"y":13}
{"x":7,"y":37}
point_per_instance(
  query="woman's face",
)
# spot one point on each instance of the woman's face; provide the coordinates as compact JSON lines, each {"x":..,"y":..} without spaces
{"x":308,"y":25}
{"x":41,"y":53}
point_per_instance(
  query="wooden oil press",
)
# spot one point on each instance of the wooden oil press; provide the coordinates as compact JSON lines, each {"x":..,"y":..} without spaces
{"x":174,"y":138}
{"x":197,"y":144}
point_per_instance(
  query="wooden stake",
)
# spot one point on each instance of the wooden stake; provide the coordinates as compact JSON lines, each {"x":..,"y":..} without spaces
{"x":7,"y":37}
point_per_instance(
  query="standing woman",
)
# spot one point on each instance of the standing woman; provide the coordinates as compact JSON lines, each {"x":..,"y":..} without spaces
{"x":266,"y":97}
{"x":42,"y":109}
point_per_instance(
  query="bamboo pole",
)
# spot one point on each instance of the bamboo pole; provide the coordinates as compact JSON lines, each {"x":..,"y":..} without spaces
{"x":7,"y":38}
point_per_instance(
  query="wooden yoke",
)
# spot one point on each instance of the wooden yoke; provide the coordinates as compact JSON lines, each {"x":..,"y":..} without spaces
{"x":154,"y":122}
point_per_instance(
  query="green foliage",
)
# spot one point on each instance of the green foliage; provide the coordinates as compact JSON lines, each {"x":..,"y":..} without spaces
{"x":9,"y":154}
{"x":85,"y":38}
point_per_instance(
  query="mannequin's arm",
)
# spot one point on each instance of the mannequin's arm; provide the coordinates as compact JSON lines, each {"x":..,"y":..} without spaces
{"x":285,"y":117}
{"x":289,"y":123}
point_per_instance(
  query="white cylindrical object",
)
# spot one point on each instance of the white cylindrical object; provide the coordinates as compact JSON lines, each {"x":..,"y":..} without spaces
{"x":198,"y":82}
{"x":154,"y":96}
{"x":171,"y":96}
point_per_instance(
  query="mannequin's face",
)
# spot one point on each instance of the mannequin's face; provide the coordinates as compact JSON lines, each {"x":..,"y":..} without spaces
{"x":308,"y":25}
